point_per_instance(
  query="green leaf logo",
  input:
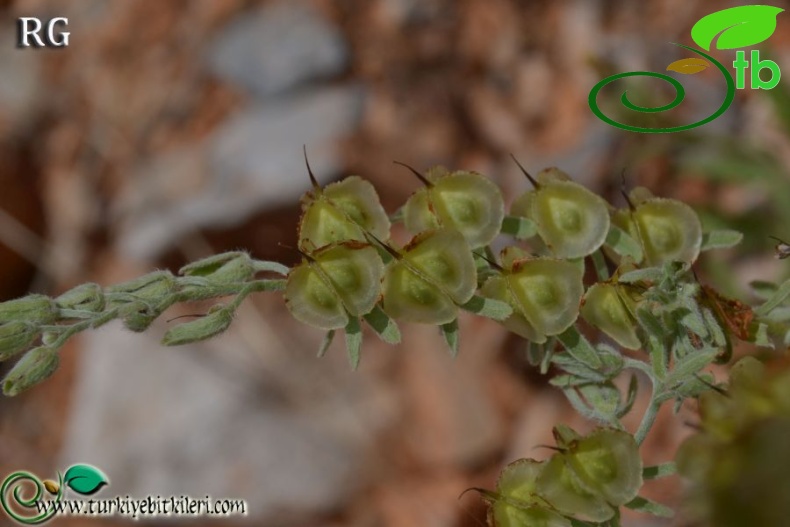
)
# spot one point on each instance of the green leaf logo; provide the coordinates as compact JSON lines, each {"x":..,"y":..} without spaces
{"x":738,"y":27}
{"x":85,"y":479}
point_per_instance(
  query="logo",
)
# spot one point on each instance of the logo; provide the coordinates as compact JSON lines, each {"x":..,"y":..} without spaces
{"x":28,"y":500}
{"x":82,"y":479}
{"x":737,"y":27}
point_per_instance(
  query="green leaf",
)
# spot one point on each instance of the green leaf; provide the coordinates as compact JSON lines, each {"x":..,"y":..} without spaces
{"x":519,"y":227}
{"x":648,"y":274}
{"x":603,"y":398}
{"x":763,"y":289}
{"x":488,"y":307}
{"x":85,"y":479}
{"x":353,"y":341}
{"x":689,"y":365}
{"x":623,"y":244}
{"x":739,"y":27}
{"x":647,"y":506}
{"x":721,"y":239}
{"x":450,"y":332}
{"x":274,"y":267}
{"x":775,"y":300}
{"x":328,"y":338}
{"x":579,"y":347}
{"x":383,"y":325}
{"x":758,"y":334}
{"x":659,"y":471}
{"x":626,"y":406}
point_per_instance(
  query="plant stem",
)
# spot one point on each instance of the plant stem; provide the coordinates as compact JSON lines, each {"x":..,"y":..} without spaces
{"x":647,"y":420}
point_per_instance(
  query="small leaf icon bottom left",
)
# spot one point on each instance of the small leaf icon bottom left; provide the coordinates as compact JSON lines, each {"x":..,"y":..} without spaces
{"x":85,"y":479}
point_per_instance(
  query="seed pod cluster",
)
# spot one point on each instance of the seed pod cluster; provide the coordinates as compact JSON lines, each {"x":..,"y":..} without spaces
{"x":587,"y":479}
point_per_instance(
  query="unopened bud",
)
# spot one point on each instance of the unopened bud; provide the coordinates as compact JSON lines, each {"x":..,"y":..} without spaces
{"x":35,"y":309}
{"x":85,"y":297}
{"x":217,"y":321}
{"x":37,"y":365}
{"x":226,"y":268}
{"x":15,"y":337}
{"x":153,"y":286}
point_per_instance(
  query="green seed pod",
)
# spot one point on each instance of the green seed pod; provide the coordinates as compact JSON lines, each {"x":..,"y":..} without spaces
{"x":603,"y":308}
{"x":562,"y":487}
{"x":547,"y":292}
{"x":433,"y":275}
{"x":16,"y":337}
{"x":35,"y":366}
{"x":138,"y":316}
{"x":35,"y":309}
{"x":497,"y":288}
{"x":342,"y":211}
{"x":519,"y":504}
{"x":465,"y":201}
{"x":669,"y":230}
{"x":572,"y":221}
{"x":608,"y":462}
{"x":85,"y":297}
{"x":226,"y":268}
{"x":215,"y":322}
{"x":334,"y":282}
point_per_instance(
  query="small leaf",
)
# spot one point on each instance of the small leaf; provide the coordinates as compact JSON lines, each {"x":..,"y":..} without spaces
{"x":659,"y":471}
{"x":384,"y":326}
{"x":648,"y":274}
{"x":647,"y":506}
{"x":690,"y":364}
{"x":776,"y":299}
{"x":689,"y":66}
{"x":450,"y":332}
{"x":85,"y":479}
{"x":579,"y":347}
{"x":273,"y":267}
{"x":721,"y":239}
{"x":353,"y":341}
{"x":326,"y":342}
{"x":739,"y":27}
{"x":488,"y":307}
{"x":519,"y":227}
{"x":623,"y":244}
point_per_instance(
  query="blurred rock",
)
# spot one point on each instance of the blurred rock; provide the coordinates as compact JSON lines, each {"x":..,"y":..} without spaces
{"x":20,"y":86}
{"x":253,"y":161}
{"x":277,"y":48}
{"x":197,"y":421}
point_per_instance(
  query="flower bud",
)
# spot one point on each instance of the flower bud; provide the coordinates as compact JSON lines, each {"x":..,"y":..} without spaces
{"x":16,"y":337}
{"x":35,"y":309}
{"x":85,"y":297}
{"x":35,"y":366}
{"x":518,"y":504}
{"x":225,"y":268}
{"x":215,"y":322}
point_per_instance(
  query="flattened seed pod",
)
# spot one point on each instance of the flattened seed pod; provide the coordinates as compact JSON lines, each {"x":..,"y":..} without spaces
{"x":669,"y":230}
{"x":608,"y":462}
{"x":335,"y":282}
{"x":544,"y":293}
{"x":466,"y":201}
{"x":519,"y":504}
{"x":433,"y":274}
{"x":603,"y":308}
{"x":572,"y":221}
{"x":341,"y":211}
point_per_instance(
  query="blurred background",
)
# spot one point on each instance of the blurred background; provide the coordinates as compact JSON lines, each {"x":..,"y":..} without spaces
{"x":168,"y":131}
